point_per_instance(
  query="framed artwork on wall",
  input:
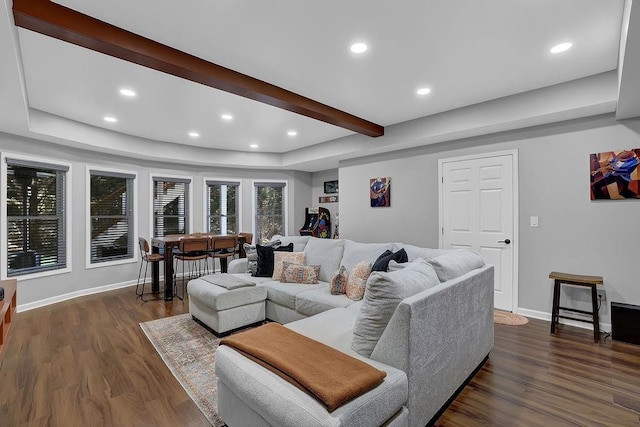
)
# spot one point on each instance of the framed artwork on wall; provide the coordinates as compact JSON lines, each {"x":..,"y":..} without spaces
{"x":330,"y":187}
{"x":615,"y":175}
{"x":380,"y":192}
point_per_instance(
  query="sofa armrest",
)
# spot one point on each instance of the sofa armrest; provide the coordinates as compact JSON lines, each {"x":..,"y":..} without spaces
{"x":238,"y":265}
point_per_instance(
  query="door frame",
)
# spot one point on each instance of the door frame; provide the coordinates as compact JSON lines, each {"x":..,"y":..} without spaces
{"x":516,"y":225}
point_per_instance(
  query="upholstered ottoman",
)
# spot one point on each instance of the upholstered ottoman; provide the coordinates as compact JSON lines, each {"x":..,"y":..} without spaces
{"x":224,"y":309}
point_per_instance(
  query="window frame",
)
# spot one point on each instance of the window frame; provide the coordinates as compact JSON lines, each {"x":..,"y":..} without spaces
{"x":285,"y":203}
{"x":4,"y":220}
{"x":205,"y":194}
{"x":133,"y":233}
{"x":189,"y":206}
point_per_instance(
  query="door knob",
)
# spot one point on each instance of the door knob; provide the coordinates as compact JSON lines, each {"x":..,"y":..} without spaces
{"x":505,"y":241}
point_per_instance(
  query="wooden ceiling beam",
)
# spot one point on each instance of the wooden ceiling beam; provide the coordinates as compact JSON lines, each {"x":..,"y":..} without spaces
{"x":62,"y":23}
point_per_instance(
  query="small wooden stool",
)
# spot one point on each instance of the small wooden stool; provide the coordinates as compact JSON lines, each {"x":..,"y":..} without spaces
{"x":575,"y":279}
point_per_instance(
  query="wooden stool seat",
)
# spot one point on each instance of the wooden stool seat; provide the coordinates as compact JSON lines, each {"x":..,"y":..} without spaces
{"x":578,"y":280}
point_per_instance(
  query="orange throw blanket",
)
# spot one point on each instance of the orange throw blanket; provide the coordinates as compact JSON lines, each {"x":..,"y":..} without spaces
{"x":329,"y":375}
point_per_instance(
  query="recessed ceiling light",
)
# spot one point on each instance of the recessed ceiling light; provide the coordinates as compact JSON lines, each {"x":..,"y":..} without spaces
{"x":127,"y":92}
{"x":292,"y":133}
{"x":358,"y":47}
{"x":423,"y":91}
{"x":253,"y":145}
{"x":227,"y":116}
{"x":194,"y":134}
{"x":561,"y":47}
{"x":110,"y":119}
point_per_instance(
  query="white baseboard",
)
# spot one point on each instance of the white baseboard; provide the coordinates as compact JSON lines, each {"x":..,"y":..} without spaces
{"x":72,"y":295}
{"x":542,"y":315}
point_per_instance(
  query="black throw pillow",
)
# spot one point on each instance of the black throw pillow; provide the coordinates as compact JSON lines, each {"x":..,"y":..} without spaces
{"x":382,"y":263}
{"x":265,"y":258}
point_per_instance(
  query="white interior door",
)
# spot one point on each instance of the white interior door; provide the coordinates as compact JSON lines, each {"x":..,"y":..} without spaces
{"x":478,"y":210}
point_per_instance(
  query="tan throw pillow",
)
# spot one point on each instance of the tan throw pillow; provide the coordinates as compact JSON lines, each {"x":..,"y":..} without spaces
{"x":297,"y":273}
{"x":280,"y":257}
{"x":339,"y":281}
{"x":358,"y":280}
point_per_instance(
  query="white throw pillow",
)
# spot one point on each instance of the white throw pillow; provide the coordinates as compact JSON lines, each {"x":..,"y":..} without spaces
{"x":384,"y":291}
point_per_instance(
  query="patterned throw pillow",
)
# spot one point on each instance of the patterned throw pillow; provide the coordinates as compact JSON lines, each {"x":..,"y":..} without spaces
{"x":297,"y":273}
{"x":358,"y":280}
{"x":339,"y":281}
{"x":252,"y":256}
{"x":290,"y":257}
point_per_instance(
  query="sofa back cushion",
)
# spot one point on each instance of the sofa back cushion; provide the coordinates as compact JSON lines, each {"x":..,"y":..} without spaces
{"x":415,"y":252}
{"x":354,"y":252}
{"x":327,"y":253}
{"x":384,"y":291}
{"x":299,"y":242}
{"x":454,"y":263}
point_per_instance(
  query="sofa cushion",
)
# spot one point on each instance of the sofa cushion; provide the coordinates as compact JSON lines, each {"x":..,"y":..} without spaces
{"x":383,"y":294}
{"x":454,"y":263}
{"x":339,"y":281}
{"x":414,"y":252}
{"x":299,"y":242}
{"x":357,"y":280}
{"x":354,"y":252}
{"x":284,"y":294}
{"x":252,"y":255}
{"x":299,"y":273}
{"x":280,"y":257}
{"x":265,"y":258}
{"x":316,"y":301}
{"x":219,"y":298}
{"x":382,"y":262}
{"x":327,"y":253}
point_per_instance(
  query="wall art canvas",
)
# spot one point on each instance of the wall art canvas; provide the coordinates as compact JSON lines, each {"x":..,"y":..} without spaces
{"x":380,"y":192}
{"x":615,"y":175}
{"x":330,"y":187}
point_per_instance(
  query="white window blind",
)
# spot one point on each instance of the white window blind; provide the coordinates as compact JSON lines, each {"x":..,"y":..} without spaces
{"x":170,"y":206}
{"x":111,"y":206}
{"x":222,"y":207}
{"x":36,"y":225}
{"x":269,"y":210}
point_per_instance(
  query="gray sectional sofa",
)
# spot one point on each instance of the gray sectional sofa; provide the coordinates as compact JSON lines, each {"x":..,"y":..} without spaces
{"x":428,"y":343}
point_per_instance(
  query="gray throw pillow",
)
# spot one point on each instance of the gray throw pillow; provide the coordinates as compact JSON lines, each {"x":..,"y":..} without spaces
{"x":252,"y":255}
{"x":384,"y":291}
{"x":454,"y":263}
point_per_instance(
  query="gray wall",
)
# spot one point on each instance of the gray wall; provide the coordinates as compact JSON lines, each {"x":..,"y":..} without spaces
{"x":82,"y":280}
{"x":575,"y":234}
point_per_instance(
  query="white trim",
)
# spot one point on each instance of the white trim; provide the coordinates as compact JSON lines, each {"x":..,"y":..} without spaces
{"x":253,"y":205}
{"x":516,"y":206}
{"x":190,"y":196}
{"x":543,"y":315}
{"x":72,"y":295}
{"x":3,"y":216}
{"x":134,"y":235}
{"x":205,"y":207}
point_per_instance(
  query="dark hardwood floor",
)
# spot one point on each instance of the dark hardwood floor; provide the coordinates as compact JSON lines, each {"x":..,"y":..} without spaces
{"x":86,"y":362}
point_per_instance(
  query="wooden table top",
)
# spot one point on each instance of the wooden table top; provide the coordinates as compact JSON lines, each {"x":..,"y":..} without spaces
{"x":175,"y":238}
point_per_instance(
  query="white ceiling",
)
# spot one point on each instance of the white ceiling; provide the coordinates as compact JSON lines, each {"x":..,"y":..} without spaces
{"x":468,"y":52}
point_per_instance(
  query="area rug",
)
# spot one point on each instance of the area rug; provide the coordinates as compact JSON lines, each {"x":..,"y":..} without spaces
{"x":506,"y":318}
{"x":189,"y":350}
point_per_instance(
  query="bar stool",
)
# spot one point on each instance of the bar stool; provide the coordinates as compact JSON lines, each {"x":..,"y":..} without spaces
{"x":223,"y":248}
{"x":242,"y":239}
{"x":145,"y":258}
{"x":192,"y":250}
{"x":578,"y":280}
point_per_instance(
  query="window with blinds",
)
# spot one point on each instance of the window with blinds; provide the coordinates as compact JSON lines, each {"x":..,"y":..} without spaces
{"x":269,"y":212}
{"x":36,"y":224}
{"x":170,"y":206}
{"x":111,"y":206}
{"x":222,"y":207}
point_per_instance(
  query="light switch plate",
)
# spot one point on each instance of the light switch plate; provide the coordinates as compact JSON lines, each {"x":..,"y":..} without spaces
{"x":533,"y":221}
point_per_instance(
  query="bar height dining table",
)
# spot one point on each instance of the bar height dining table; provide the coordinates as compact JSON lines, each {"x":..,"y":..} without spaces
{"x":168,"y":243}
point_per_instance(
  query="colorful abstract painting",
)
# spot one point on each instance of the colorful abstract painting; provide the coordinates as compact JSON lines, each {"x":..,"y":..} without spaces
{"x":614,"y":175}
{"x":380,"y":192}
